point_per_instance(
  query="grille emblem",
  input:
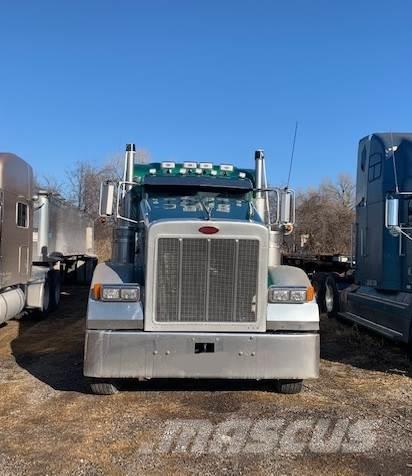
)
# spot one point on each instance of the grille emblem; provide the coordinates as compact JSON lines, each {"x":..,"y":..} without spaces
{"x":208,"y":230}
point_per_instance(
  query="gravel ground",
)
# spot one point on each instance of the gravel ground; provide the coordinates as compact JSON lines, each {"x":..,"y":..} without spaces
{"x":356,"y":419}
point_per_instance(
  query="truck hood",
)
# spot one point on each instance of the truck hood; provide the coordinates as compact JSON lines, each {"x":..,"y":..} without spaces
{"x":192,"y":208}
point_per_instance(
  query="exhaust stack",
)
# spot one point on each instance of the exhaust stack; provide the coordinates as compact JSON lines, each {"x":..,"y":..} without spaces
{"x":259,"y":170}
{"x":43,"y":227}
{"x":129,"y":163}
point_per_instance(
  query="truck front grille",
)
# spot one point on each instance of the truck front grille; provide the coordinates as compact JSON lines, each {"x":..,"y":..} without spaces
{"x":206,"y":280}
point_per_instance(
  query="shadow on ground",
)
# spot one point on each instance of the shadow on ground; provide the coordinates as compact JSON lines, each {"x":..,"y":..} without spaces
{"x":348,"y":343}
{"x":51,"y":349}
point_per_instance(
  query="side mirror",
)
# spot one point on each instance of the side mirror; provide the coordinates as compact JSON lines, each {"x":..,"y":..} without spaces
{"x":106,"y":199}
{"x":392,"y":212}
{"x":287,"y":206}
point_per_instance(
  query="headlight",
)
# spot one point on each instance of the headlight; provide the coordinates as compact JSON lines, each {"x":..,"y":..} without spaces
{"x":110,"y":294}
{"x":120,"y":293}
{"x":290,"y":294}
{"x":129,"y":294}
{"x":279,"y":295}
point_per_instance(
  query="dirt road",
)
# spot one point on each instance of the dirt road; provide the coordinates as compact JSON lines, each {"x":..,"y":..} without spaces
{"x":357,"y":418}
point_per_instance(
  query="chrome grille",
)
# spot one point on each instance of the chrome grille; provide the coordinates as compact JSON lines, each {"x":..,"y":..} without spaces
{"x":206,"y":280}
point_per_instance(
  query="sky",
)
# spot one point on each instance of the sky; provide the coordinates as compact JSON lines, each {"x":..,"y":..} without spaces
{"x":203,"y":81}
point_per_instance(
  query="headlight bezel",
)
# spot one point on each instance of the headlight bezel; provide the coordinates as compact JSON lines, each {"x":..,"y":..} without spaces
{"x":287,"y":292}
{"x":122,"y":293}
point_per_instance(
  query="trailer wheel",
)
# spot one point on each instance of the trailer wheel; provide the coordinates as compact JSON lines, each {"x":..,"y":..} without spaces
{"x":55,"y":289}
{"x":289,"y":386}
{"x":331,"y":296}
{"x":46,"y":304}
{"x":101,"y":387}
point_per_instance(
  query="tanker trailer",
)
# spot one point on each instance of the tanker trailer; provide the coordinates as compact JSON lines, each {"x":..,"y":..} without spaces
{"x":65,"y":234}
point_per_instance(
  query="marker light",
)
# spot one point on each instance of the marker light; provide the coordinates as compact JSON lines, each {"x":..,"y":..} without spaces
{"x":206,"y":165}
{"x":96,"y":291}
{"x":168,"y":165}
{"x":226,"y":168}
{"x":190,"y":165}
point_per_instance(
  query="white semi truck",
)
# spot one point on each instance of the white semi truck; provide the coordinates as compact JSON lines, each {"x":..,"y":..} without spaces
{"x":40,"y":238}
{"x":195,"y":287}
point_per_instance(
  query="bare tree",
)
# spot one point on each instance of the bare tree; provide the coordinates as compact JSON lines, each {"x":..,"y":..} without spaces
{"x":83,"y":183}
{"x":324,"y":218}
{"x":83,"y":188}
{"x":341,"y":191}
{"x":50,"y":184}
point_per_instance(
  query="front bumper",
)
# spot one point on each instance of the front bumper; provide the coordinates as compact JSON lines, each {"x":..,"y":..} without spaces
{"x":134,"y":354}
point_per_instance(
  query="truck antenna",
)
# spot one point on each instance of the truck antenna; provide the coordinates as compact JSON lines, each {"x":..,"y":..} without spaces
{"x":293,"y":153}
{"x":395,"y":173}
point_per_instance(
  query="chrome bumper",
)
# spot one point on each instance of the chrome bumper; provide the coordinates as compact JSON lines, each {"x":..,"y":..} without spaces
{"x":134,"y":354}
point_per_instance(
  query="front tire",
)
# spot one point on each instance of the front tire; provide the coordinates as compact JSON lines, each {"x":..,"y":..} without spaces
{"x":289,"y":387}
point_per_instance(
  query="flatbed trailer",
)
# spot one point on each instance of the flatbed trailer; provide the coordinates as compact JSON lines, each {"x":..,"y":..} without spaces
{"x":311,"y":264}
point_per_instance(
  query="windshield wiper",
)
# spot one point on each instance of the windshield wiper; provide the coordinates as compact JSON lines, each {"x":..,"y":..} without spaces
{"x":208,"y":211}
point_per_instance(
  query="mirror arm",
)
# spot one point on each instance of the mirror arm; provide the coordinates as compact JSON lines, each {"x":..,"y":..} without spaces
{"x":122,"y":191}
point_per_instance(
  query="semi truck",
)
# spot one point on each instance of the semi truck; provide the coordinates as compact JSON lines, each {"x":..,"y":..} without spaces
{"x":34,"y":227}
{"x":377,"y":291}
{"x":195,"y":287}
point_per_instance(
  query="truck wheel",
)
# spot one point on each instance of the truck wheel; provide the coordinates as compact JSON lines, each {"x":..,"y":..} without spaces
{"x":101,"y":387}
{"x":46,"y":305}
{"x":331,"y":297}
{"x":55,"y":289}
{"x":318,"y":282}
{"x":289,"y":386}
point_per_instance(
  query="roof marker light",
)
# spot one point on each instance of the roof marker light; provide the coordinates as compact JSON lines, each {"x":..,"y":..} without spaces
{"x":190,"y":165}
{"x":206,"y":165}
{"x":226,"y":168}
{"x":168,"y":165}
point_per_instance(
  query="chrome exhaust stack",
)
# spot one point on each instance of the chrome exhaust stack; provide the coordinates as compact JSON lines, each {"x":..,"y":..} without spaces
{"x":42,"y":204}
{"x":129,"y":164}
{"x":260,"y":175}
{"x":123,"y":248}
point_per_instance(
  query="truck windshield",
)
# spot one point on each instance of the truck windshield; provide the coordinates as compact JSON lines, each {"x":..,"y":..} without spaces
{"x":198,"y":192}
{"x":197,"y":187}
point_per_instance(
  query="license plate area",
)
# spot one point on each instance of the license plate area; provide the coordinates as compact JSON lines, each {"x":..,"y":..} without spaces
{"x":204,"y":347}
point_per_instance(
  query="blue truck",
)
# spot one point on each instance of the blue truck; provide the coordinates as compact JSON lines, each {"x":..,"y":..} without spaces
{"x":378,"y":294}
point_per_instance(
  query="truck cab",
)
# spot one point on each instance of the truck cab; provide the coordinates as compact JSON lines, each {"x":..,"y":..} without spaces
{"x":380,"y":297}
{"x":195,"y":288}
